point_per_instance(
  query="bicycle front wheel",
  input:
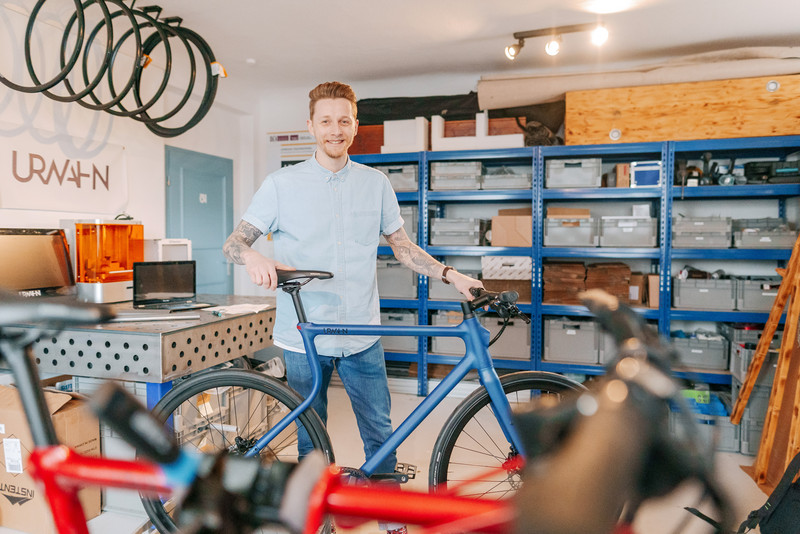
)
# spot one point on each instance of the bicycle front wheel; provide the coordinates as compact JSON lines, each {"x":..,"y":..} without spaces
{"x":229,"y":410}
{"x":472,"y":442}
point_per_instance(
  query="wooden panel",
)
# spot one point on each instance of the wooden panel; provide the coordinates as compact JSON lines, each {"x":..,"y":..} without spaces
{"x":369,"y":140}
{"x":701,"y":110}
{"x":466,"y":128}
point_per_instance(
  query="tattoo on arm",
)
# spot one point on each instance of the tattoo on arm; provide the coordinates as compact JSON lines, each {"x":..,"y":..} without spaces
{"x":240,"y":240}
{"x":412,"y":256}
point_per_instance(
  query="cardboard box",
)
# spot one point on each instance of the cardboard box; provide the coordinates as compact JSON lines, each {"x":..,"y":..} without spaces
{"x":24,"y":506}
{"x":623,"y":174}
{"x":637,"y":289}
{"x":513,"y":227}
{"x":652,"y":291}
{"x":568,"y":213}
{"x":512,"y":231}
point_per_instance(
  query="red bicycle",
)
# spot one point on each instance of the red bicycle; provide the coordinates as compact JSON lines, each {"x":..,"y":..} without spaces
{"x":588,"y":459}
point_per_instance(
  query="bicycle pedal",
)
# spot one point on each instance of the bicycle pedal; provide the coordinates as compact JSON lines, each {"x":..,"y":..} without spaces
{"x":408,"y":470}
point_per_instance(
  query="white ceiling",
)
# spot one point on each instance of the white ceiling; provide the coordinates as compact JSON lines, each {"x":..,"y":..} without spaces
{"x":303,"y":42}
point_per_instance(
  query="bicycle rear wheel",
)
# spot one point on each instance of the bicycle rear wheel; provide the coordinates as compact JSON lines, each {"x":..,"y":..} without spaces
{"x":228,"y":410}
{"x":471,"y":442}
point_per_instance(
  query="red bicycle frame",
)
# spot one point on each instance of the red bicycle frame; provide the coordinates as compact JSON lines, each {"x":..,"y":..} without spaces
{"x":62,"y":472}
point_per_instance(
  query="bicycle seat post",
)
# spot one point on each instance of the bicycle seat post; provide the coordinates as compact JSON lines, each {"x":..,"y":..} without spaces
{"x":294,"y":291}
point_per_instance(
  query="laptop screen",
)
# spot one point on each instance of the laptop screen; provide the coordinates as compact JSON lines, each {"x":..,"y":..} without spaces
{"x":163,"y":281}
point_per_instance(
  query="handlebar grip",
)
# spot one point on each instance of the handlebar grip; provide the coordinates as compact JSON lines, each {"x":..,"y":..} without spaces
{"x":508,"y":297}
{"x":125,"y":414}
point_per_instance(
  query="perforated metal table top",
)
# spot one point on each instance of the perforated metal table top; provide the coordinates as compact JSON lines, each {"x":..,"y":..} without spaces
{"x":157,"y":351}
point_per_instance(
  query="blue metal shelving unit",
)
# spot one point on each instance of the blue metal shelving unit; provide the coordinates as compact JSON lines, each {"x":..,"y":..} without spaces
{"x":662,"y":197}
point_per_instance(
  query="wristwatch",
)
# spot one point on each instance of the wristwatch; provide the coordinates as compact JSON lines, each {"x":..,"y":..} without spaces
{"x":444,"y":274}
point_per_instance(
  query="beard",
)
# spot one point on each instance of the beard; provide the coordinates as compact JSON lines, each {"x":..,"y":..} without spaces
{"x":336,"y":151}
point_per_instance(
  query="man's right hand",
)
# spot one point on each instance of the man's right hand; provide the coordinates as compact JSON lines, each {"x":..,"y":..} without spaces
{"x":262,"y":270}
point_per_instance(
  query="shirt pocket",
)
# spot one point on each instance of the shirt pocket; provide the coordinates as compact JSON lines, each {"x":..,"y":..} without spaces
{"x":365,"y":227}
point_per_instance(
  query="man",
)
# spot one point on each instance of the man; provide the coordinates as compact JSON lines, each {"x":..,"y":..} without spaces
{"x":327,"y":213}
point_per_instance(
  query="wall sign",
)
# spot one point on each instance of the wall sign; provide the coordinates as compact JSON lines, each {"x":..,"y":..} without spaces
{"x":60,"y":176}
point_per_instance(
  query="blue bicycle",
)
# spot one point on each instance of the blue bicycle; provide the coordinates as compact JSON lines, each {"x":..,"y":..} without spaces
{"x":246,"y":412}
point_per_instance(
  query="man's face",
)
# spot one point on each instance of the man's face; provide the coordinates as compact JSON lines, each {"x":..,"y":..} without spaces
{"x":333,"y":126}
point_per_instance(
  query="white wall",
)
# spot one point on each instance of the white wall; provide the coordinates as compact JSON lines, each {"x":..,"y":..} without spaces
{"x":227,"y":131}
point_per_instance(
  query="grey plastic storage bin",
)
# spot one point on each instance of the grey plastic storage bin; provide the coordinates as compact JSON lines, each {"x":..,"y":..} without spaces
{"x":701,"y":240}
{"x":402,"y":177}
{"x":716,"y":429}
{"x":766,"y":232}
{"x":570,"y":232}
{"x":756,"y":293}
{"x":743,"y":333}
{"x":447,"y":345}
{"x":399,"y":318}
{"x":455,"y":231}
{"x":570,"y":341}
{"x":713,"y":294}
{"x":702,"y":353}
{"x":566,"y":173}
{"x":514,"y":344}
{"x":508,"y":177}
{"x":628,"y":231}
{"x":395,"y":280}
{"x":754,"y":415}
{"x":607,"y":348}
{"x":409,"y":215}
{"x":701,"y":232}
{"x":700,"y":225}
{"x":448,"y":175}
{"x":742,"y":355}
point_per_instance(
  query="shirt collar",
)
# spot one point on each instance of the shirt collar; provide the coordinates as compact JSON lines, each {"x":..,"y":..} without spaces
{"x":328,"y":175}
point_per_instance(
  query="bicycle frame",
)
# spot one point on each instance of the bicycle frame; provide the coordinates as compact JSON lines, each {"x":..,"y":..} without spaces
{"x":62,"y":471}
{"x":476,"y":339}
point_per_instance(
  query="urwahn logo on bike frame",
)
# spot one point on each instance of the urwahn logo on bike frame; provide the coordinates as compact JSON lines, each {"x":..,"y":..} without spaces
{"x":16,"y":494}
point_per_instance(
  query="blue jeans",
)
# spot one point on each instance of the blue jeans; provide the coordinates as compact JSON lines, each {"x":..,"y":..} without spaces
{"x":364,"y":377}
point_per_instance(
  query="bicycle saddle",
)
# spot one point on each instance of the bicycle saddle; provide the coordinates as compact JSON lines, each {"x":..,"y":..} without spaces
{"x":289,"y":276}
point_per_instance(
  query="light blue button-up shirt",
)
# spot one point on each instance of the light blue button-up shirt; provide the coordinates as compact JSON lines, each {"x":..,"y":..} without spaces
{"x":329,"y":222}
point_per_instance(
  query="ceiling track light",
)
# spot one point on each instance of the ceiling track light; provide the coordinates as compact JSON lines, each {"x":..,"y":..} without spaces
{"x":553,"y":46}
{"x":599,"y":35}
{"x":512,"y":51}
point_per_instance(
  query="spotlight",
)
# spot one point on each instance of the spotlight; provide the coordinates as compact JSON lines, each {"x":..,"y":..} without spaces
{"x":513,"y":51}
{"x":553,"y":46}
{"x":599,"y":35}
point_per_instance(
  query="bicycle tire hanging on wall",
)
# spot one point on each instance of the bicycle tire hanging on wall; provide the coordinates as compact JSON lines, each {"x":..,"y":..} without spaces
{"x":86,"y":60}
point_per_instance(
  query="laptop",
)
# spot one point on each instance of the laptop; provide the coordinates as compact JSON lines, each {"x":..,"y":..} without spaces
{"x":166,"y":285}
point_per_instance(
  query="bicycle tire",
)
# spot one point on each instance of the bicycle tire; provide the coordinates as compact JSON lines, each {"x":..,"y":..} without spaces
{"x":38,"y":87}
{"x":209,"y":93}
{"x":219,"y":390}
{"x":136,"y":60}
{"x":72,"y":95}
{"x":471,"y":441}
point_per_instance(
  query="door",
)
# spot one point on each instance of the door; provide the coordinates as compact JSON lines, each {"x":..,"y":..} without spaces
{"x":200,"y":208}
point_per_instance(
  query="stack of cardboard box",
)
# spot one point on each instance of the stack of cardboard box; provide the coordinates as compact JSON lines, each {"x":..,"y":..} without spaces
{"x":613,"y":278}
{"x":563,"y":281}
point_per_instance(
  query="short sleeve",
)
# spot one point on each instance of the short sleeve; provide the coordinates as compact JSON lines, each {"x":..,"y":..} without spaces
{"x":391,"y":221}
{"x":263,"y":210}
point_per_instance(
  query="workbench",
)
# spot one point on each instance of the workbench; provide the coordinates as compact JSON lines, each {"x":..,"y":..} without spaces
{"x":157,"y":352}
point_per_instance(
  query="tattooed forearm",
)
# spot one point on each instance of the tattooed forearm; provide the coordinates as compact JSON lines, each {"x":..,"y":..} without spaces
{"x":239,"y":241}
{"x":412,"y":256}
